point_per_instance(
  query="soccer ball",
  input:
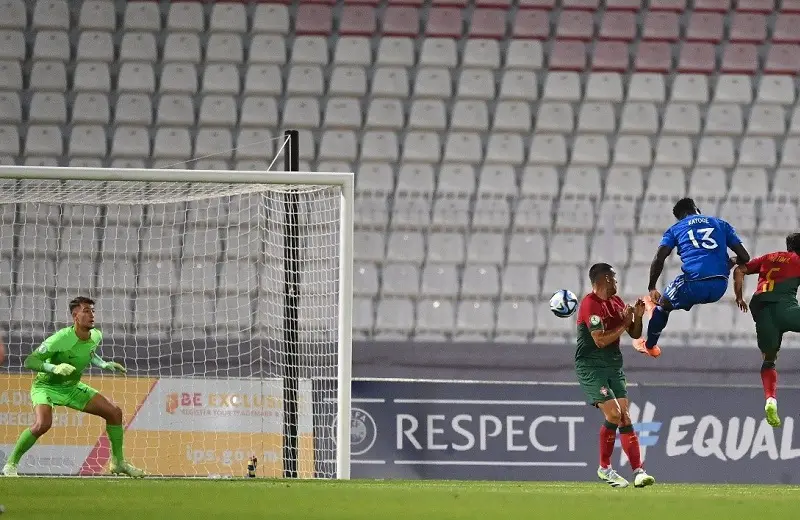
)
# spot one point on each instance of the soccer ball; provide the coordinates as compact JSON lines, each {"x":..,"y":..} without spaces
{"x":563,"y":303}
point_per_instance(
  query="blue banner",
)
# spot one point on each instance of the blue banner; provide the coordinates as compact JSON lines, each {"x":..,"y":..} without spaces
{"x":517,"y":431}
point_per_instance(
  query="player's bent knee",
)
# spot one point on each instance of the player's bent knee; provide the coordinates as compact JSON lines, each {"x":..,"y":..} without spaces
{"x":768,"y":364}
{"x":612,"y":414}
{"x":116,"y":414}
{"x":41,"y":426}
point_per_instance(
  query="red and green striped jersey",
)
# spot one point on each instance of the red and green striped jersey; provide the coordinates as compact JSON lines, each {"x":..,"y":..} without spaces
{"x":778,"y":276}
{"x":596,"y":313}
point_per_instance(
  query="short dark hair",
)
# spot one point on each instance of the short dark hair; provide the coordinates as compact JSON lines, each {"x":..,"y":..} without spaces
{"x":684,"y":207}
{"x":793,"y":243}
{"x":599,"y":269}
{"x":78,"y":301}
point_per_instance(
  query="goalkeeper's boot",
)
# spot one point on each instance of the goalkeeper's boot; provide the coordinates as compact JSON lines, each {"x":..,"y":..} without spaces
{"x":771,"y":411}
{"x":125,"y":468}
{"x":641,"y":346}
{"x":642,"y":479}
{"x":10,"y":470}
{"x":611,"y":477}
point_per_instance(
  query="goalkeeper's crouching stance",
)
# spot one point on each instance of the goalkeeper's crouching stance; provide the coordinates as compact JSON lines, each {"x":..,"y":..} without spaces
{"x":60,"y":360}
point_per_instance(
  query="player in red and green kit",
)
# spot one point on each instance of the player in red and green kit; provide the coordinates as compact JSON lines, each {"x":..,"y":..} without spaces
{"x":602,"y":319}
{"x":774,"y":309}
{"x":60,"y":360}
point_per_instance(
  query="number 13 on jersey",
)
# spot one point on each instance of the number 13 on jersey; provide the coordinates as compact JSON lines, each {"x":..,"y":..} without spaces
{"x":706,"y":242}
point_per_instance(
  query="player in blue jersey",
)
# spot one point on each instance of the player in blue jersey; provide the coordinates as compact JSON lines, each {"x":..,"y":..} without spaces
{"x":703,"y":242}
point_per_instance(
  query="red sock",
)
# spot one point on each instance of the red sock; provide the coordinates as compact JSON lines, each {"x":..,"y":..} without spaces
{"x":608,"y":436}
{"x":769,"y":380}
{"x":630,"y":443}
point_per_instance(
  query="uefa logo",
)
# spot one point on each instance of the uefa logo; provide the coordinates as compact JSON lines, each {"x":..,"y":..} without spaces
{"x":363,"y":431}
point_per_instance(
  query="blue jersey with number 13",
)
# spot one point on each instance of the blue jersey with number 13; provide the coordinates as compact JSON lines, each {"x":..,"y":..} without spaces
{"x":702,"y":243}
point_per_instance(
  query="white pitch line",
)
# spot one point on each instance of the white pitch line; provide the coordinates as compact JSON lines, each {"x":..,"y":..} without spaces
{"x":489,"y":401}
{"x":490,"y":463}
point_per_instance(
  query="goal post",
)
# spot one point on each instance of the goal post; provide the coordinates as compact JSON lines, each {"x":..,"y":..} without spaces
{"x":227,"y":294}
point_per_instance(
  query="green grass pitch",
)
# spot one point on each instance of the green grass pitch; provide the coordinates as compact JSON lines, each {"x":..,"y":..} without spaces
{"x":118,"y":499}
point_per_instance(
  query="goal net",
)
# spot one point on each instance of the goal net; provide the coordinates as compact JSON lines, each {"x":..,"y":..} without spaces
{"x":227,"y":301}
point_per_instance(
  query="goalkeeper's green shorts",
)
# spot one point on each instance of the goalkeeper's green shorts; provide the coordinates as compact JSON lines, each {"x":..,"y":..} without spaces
{"x":72,"y":396}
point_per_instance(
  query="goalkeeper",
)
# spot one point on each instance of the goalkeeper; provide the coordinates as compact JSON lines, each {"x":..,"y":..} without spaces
{"x":60,"y":360}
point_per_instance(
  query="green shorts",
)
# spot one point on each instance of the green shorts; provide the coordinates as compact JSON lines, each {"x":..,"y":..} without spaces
{"x":74,"y":396}
{"x":601,"y":384}
{"x":772,"y":321}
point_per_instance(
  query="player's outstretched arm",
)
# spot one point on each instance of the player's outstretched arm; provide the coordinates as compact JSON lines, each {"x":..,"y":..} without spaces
{"x":37,"y":361}
{"x":739,"y":273}
{"x":742,"y":256}
{"x":635,"y":328}
{"x":657,"y":267}
{"x":107,"y":365}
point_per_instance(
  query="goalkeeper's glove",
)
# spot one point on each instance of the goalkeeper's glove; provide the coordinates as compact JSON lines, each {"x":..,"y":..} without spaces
{"x":115,"y":367}
{"x":64,"y":369}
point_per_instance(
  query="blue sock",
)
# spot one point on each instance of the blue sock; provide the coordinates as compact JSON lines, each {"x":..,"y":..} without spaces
{"x":657,"y":323}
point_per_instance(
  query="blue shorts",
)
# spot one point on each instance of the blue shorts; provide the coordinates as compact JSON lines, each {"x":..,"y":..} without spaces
{"x":684,"y":294}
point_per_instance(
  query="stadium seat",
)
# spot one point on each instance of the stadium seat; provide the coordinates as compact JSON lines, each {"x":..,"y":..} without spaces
{"x":435,"y":316}
{"x":548,"y":149}
{"x":95,"y":46}
{"x":352,"y":50}
{"x":596,"y":118}
{"x":610,"y":56}
{"x":661,"y":26}
{"x":267,"y":48}
{"x":716,"y":151}
{"x":590,"y":150}
{"x":681,"y":119}
{"x":271,"y":18}
{"x":464,"y":147}
{"x":690,"y":88}
{"x":515,"y":317}
{"x":617,"y":215}
{"x":644,"y":86}
{"x":450,"y":214}
{"x":748,"y":28}
{"x":446,"y":247}
{"x":532,"y":24}
{"x":87,"y":140}
{"x":786,"y":183}
{"x":51,"y":14}
{"x":782,"y":59}
{"x":749,"y":183}
{"x":776,"y":89}
{"x":520,"y":282}
{"x":228,"y":17}
{"x":486,"y":248}
{"x":400,"y":280}
{"x":91,"y":77}
{"x":505,"y":148}
{"x":618,"y":26}
{"x":639,"y":118}
{"x":568,"y":55}
{"x":13,"y":14}
{"x":12,"y":45}
{"x":705,"y":27}
{"x":724,"y":119}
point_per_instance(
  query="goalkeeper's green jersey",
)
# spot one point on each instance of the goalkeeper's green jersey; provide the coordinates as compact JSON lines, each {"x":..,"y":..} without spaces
{"x":65,"y":347}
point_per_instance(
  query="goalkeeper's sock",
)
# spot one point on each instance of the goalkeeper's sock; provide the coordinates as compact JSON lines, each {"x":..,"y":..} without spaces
{"x":657,"y":323}
{"x":769,"y":379}
{"x":630,"y":444}
{"x":115,"y":433}
{"x":25,"y":442}
{"x":608,"y":435}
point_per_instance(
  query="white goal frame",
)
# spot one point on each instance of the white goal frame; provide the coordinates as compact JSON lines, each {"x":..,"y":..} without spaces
{"x":345,"y":181}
